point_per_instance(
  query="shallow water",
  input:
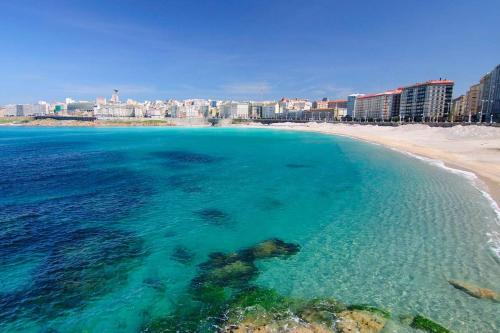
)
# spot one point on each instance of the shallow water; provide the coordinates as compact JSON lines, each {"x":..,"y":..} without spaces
{"x":101,"y":230}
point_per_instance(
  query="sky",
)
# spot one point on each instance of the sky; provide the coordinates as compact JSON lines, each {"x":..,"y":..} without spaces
{"x":239,"y":49}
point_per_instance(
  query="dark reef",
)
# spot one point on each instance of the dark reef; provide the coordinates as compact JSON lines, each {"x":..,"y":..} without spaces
{"x":214,"y":216}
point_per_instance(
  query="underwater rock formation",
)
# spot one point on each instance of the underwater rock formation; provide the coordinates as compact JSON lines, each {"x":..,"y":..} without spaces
{"x":182,"y":254}
{"x":237,"y":269}
{"x":475,"y":291}
{"x":214,"y":216}
{"x":273,"y":248}
{"x":224,"y":300}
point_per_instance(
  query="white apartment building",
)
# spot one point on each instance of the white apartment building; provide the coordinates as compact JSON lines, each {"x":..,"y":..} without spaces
{"x":270,"y":110}
{"x":429,"y":100}
{"x":382,"y":106}
{"x":235,"y":110}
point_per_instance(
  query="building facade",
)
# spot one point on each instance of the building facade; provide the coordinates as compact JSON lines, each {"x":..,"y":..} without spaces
{"x":490,"y":96}
{"x":383,"y":106}
{"x":80,"y":108}
{"x":351,"y":104}
{"x":458,"y":107}
{"x":472,"y":101}
{"x":427,"y":101}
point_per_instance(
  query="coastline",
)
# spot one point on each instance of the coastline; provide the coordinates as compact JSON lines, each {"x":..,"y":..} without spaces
{"x":483,"y":164}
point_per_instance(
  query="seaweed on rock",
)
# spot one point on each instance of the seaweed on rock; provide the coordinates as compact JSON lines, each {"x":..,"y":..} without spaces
{"x":370,"y":308}
{"x":425,"y":324}
{"x":237,"y":269}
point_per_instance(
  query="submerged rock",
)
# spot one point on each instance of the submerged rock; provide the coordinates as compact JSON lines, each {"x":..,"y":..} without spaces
{"x":425,"y":324}
{"x":297,"y":166}
{"x":182,"y":254}
{"x":475,"y":291}
{"x":359,"y":321}
{"x":274,"y":248}
{"x":370,"y":308}
{"x":156,"y":284}
{"x":214,"y":216}
{"x":237,"y":269}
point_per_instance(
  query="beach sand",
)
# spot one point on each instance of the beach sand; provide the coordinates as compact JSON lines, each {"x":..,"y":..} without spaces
{"x":475,"y":149}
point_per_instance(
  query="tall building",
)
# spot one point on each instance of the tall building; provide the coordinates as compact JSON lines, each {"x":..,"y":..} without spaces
{"x":382,"y":106}
{"x":114,"y":97}
{"x":490,"y":96}
{"x":472,"y":101}
{"x":351,"y":104}
{"x":427,"y":101}
{"x":458,"y":107}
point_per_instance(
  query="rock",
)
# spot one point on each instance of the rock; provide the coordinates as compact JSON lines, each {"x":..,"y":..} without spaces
{"x":235,"y":271}
{"x":475,"y":291}
{"x":425,"y":324}
{"x":283,"y":326}
{"x":357,"y":321}
{"x":274,"y":248}
{"x":406,"y":319}
{"x":182,"y":254}
{"x":370,"y":308}
{"x":321,"y":311}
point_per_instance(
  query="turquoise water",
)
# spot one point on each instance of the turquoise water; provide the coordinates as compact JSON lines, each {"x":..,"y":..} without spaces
{"x":102,"y":230}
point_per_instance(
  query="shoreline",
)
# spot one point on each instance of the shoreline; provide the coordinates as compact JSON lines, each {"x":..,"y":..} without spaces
{"x":488,"y":182}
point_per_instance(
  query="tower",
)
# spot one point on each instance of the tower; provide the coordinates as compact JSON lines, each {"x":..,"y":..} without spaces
{"x":114,"y":96}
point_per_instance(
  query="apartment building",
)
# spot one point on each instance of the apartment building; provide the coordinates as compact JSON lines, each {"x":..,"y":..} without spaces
{"x":382,"y":106}
{"x":427,"y":101}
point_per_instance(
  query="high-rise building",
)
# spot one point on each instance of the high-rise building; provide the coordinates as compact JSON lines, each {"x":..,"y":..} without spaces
{"x":382,"y":106}
{"x":489,"y":108}
{"x":114,"y":97}
{"x":427,"y":101}
{"x":351,"y":104}
{"x":458,"y":107}
{"x":472,"y":101}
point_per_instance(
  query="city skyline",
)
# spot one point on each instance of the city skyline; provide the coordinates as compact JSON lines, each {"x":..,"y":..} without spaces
{"x":245,"y":51}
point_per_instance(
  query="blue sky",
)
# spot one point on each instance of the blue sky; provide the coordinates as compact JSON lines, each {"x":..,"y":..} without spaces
{"x":262,"y":49}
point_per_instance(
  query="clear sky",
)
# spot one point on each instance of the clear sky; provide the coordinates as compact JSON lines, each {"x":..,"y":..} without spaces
{"x":262,"y":49}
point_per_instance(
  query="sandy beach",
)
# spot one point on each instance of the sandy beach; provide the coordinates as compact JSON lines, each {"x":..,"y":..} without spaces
{"x":475,"y":149}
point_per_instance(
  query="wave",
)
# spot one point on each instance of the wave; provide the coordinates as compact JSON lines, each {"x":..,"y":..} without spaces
{"x":494,"y":236}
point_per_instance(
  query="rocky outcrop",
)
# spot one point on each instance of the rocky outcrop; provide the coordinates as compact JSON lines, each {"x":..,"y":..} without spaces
{"x":475,"y":291}
{"x":357,"y":321}
{"x":284,"y":326}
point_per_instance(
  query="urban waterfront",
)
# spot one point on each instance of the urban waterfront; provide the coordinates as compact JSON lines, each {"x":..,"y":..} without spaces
{"x":109,"y":229}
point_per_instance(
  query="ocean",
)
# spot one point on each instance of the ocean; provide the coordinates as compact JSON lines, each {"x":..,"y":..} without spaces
{"x":109,"y":229}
